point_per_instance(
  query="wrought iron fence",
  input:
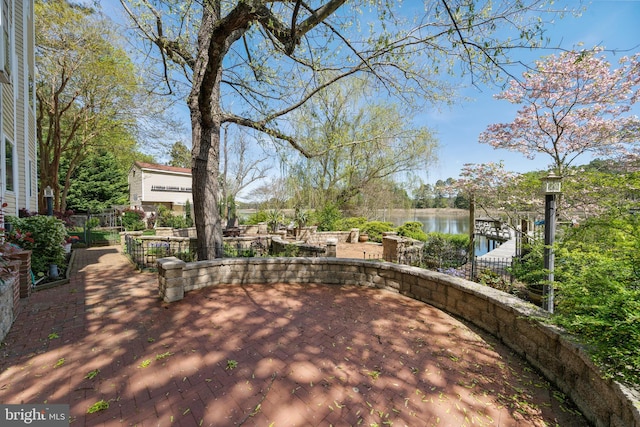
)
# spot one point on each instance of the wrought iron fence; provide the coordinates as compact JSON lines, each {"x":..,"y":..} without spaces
{"x":491,"y":269}
{"x":457,"y":263}
{"x":145,"y":250}
{"x":246,"y":248}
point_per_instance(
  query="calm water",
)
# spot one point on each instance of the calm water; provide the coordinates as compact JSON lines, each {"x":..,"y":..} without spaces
{"x":449,"y":222}
{"x":441,"y":221}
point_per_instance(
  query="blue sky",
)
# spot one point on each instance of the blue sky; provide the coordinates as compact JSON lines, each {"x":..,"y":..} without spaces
{"x":612,"y":24}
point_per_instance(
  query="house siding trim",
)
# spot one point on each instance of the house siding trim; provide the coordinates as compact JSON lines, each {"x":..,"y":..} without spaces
{"x":17,"y":115}
{"x":151,"y":184}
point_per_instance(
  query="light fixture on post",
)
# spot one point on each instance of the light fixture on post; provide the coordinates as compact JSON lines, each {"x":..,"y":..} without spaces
{"x":552,"y":186}
{"x":48,"y":196}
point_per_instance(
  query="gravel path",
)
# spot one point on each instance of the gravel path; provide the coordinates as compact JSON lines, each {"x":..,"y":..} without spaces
{"x":364,"y":250}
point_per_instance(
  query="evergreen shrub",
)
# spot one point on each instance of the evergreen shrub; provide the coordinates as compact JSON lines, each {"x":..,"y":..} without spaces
{"x":346,"y":224}
{"x":375,"y":229}
{"x":598,"y":285}
{"x":445,"y":250}
{"x":166,"y":218}
{"x":413,"y":230}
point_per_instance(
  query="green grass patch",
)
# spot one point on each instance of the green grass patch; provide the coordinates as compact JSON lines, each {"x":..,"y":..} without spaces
{"x":100,"y":405}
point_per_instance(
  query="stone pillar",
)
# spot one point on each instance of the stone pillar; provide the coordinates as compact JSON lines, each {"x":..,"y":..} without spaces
{"x":354,"y":235}
{"x":332,"y":245}
{"x":170,"y":281}
{"x":390,"y":247}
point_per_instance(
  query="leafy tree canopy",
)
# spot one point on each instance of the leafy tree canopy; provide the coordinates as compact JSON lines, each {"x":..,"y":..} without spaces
{"x":98,"y":183}
{"x":359,"y":145}
{"x":251,"y":64}
{"x":90,"y":93}
{"x":571,"y":104}
{"x":180,"y":155}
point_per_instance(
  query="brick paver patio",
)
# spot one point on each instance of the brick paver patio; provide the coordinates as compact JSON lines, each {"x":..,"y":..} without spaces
{"x":259,"y":355}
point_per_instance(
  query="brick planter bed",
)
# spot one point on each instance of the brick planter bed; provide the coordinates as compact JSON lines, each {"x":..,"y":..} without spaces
{"x":517,"y":324}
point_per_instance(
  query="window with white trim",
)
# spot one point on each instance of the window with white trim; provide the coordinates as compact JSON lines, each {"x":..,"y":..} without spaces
{"x":5,"y":35}
{"x":30,"y":179}
{"x":9,"y":165}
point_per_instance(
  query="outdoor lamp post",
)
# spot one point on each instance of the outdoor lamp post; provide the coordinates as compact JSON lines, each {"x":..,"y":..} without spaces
{"x":552,"y":187}
{"x":48,"y":196}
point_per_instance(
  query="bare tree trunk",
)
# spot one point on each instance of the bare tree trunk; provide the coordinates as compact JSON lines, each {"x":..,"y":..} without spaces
{"x":205,"y":167}
{"x":204,"y":106}
{"x":225,"y":168}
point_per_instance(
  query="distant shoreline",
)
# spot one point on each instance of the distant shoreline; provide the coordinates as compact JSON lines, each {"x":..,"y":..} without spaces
{"x":448,"y":211}
{"x":398,"y":211}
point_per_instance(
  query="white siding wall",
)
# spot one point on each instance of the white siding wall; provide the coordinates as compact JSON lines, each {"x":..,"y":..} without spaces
{"x":167,"y":187}
{"x":17,"y":119}
{"x":150,"y":187}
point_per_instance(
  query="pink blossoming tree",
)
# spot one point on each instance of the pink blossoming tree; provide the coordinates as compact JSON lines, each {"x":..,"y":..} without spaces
{"x":490,"y":187}
{"x":572,"y":103}
{"x":486,"y":185}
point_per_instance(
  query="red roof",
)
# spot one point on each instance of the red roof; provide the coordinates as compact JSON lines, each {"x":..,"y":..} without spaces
{"x":165,"y":168}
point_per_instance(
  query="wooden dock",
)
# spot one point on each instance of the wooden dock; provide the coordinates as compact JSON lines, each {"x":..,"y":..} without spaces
{"x":505,"y":250}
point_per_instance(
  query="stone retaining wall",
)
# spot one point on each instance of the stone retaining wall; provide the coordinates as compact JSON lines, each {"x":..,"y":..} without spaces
{"x":309,"y":235}
{"x":9,"y":304}
{"x":515,"y":322}
{"x":328,"y":249}
{"x":321,"y":237}
{"x":400,"y":249}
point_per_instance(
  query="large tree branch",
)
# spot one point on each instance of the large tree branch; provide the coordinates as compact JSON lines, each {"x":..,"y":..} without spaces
{"x":262,"y":127}
{"x":290,"y":37}
{"x":172,"y":50}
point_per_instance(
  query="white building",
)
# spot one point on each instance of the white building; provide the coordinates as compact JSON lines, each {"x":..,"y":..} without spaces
{"x":152,"y":185}
{"x":18,"y":149}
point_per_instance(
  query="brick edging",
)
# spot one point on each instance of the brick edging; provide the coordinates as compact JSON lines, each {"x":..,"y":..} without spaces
{"x":518,"y":324}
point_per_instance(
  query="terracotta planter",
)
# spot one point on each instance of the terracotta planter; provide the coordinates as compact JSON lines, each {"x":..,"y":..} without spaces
{"x":363,"y":238}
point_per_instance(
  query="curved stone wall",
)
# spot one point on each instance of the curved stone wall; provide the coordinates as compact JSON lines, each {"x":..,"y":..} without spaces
{"x":517,"y":323}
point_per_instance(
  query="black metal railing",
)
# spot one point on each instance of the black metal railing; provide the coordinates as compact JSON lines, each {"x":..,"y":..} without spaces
{"x":144,"y":251}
